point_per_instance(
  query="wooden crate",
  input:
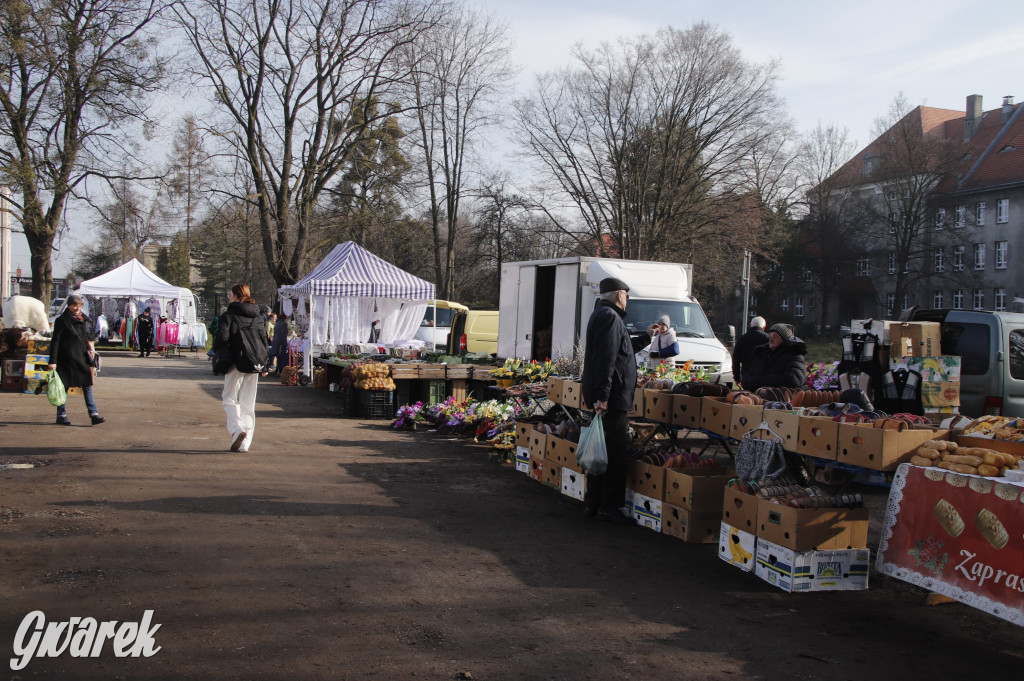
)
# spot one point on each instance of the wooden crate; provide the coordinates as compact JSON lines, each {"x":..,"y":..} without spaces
{"x":405,"y":371}
{"x":433,"y":371}
{"x":459,"y":372}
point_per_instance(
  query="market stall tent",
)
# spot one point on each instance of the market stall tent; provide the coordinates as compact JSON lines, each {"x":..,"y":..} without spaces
{"x":349,"y":290}
{"x":134,"y":281}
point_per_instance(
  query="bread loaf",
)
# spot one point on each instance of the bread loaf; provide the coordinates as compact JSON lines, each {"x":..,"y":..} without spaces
{"x":922,"y":461}
{"x":929,"y":453}
{"x":964,"y":459}
{"x":990,"y":471}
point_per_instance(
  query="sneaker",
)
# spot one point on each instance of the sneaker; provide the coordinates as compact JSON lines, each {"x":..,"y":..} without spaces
{"x":237,"y":444}
{"x":63,"y":421}
{"x":96,"y":419}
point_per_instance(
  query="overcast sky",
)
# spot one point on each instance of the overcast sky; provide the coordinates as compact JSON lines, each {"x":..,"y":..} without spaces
{"x":841,"y":63}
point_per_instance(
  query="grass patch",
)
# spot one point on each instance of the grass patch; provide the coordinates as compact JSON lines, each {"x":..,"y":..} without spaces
{"x":824,"y":351}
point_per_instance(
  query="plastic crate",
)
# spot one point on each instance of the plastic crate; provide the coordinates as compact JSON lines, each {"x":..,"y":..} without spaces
{"x":376,"y":396}
{"x":436,"y":391}
{"x":377,"y":411}
{"x":346,"y":401}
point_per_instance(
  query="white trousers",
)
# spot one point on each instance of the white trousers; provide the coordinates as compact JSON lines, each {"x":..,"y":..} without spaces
{"x":239,"y":400}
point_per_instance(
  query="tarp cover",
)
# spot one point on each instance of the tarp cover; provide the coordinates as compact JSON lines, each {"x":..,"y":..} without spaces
{"x":352,"y":271}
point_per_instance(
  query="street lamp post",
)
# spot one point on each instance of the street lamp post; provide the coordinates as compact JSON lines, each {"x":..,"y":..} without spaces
{"x":745,"y":283}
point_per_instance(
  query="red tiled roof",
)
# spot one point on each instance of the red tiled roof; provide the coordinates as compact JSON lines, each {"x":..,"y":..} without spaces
{"x":1000,"y":164}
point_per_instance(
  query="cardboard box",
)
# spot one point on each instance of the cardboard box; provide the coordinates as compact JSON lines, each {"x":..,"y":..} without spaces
{"x":917,"y":339}
{"x":629,"y":501}
{"x":879,"y":327}
{"x":647,"y":511}
{"x":39,"y":346}
{"x":740,"y":510}
{"x":737,"y":547}
{"x":745,"y":417}
{"x":552,"y":474}
{"x":818,"y":437}
{"x":538,"y":444}
{"x":810,"y":529}
{"x":658,"y":405}
{"x":574,"y":484}
{"x":555,"y":388}
{"x":697,"y":489}
{"x":646,"y":479}
{"x":792,"y":571}
{"x":637,"y":410}
{"x":572,"y":394}
{"x":932,"y":369}
{"x":562,"y":452}
{"x":785,"y":424}
{"x":881,"y":449}
{"x":693,"y":527}
{"x":537,"y":469}
{"x":686,"y":411}
{"x":522,"y":459}
{"x":523,"y":430}
{"x":936,"y":395}
{"x":38,"y":371}
{"x":34,"y":386}
{"x":715,"y":415}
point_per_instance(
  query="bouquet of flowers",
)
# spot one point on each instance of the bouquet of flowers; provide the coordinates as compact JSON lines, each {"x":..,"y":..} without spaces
{"x":822,"y":376}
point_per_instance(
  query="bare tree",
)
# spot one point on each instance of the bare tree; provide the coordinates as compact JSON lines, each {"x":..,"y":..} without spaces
{"x":459,"y":71}
{"x":187,"y":179}
{"x":298,"y":83}
{"x":74,"y":74}
{"x":652,"y":138}
{"x":904,"y":166}
{"x":130,"y":220}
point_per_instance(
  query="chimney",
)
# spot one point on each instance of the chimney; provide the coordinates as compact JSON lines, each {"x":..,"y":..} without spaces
{"x":1007,"y":107}
{"x":973,"y":119}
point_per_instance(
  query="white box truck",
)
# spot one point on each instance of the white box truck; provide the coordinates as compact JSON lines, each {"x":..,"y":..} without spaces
{"x":544,"y":307}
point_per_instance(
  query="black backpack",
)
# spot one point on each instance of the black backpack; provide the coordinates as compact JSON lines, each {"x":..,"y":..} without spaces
{"x":248,"y":342}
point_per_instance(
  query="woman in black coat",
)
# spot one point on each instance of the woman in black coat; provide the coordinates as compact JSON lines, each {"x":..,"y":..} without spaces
{"x":71,"y":356}
{"x":781,"y":363}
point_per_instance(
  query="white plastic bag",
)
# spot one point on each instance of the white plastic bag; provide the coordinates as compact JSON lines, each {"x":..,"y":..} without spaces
{"x":591,"y":453}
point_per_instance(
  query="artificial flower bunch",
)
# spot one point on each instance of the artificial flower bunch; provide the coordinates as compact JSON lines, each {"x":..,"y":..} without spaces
{"x":822,"y":376}
{"x":677,"y":374}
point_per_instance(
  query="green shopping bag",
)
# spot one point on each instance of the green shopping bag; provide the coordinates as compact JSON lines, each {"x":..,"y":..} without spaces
{"x":55,"y":391}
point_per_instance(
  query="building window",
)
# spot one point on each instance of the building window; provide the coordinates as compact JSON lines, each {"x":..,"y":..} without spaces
{"x":958,"y":299}
{"x":893,"y":219}
{"x":1000,"y":299}
{"x":961,"y":216}
{"x":863,"y":267}
{"x":979,"y":299}
{"x":938,"y":258}
{"x":979,"y":256}
{"x":940,"y":218}
{"x":753,"y":301}
{"x":806,"y":273}
{"x":892,"y":262}
{"x":1002,"y":249}
{"x":890,"y":303}
{"x":784,"y":305}
{"x":937,"y":300}
{"x":979,"y":213}
{"x":958,"y":258}
{"x":798,"y":307}
{"x":1002,"y":211}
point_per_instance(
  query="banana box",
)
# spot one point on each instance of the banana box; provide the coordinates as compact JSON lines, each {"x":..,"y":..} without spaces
{"x":647,"y":512}
{"x":938,"y":369}
{"x":522,"y":459}
{"x":792,"y":571}
{"x":737,"y":547}
{"x":574,"y":483}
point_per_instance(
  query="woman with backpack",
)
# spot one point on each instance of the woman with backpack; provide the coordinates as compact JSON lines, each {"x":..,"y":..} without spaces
{"x":242,"y":336}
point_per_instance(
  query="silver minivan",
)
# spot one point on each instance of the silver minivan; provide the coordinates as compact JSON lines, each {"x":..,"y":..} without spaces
{"x":991,"y":348}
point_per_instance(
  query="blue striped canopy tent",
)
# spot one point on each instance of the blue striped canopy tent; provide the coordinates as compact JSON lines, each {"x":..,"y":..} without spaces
{"x":351,"y":270}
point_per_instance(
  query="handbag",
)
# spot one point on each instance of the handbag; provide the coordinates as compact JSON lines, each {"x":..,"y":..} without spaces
{"x":55,"y":391}
{"x":591,"y":452}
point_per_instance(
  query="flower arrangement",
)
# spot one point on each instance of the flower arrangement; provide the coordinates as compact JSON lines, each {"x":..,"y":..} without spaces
{"x":516,"y":370}
{"x":492,"y":421}
{"x":674,"y":373}
{"x":822,"y":376}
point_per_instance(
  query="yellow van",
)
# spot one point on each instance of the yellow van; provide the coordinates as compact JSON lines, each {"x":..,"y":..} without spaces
{"x":474,"y":331}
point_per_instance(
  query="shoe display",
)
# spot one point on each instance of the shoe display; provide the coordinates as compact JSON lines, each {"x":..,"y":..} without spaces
{"x":96,"y":419}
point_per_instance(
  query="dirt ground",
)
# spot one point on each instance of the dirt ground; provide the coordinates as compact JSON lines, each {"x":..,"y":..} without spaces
{"x":339,"y":549}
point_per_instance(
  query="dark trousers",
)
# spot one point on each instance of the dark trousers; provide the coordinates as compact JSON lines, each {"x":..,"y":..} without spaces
{"x":145,"y":346}
{"x":607,"y":492}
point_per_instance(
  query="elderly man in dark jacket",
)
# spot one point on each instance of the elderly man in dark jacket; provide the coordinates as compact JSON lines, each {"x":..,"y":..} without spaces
{"x":609,"y":379}
{"x":781,"y":363}
{"x":743,"y":353}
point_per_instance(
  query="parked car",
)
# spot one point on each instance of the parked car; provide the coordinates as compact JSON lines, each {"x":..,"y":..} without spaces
{"x":434,"y":332}
{"x":55,"y":306}
{"x":991,"y":348}
{"x":474,"y":331}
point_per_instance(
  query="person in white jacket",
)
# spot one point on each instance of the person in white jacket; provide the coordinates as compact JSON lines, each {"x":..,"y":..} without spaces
{"x":664,"y":346}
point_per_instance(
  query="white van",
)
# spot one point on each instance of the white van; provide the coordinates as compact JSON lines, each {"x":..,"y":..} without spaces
{"x":545,"y":306}
{"x":435,"y":331}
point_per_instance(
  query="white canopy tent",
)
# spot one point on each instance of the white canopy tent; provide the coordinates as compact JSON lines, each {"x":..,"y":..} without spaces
{"x":351,"y":288}
{"x":134,"y":282}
